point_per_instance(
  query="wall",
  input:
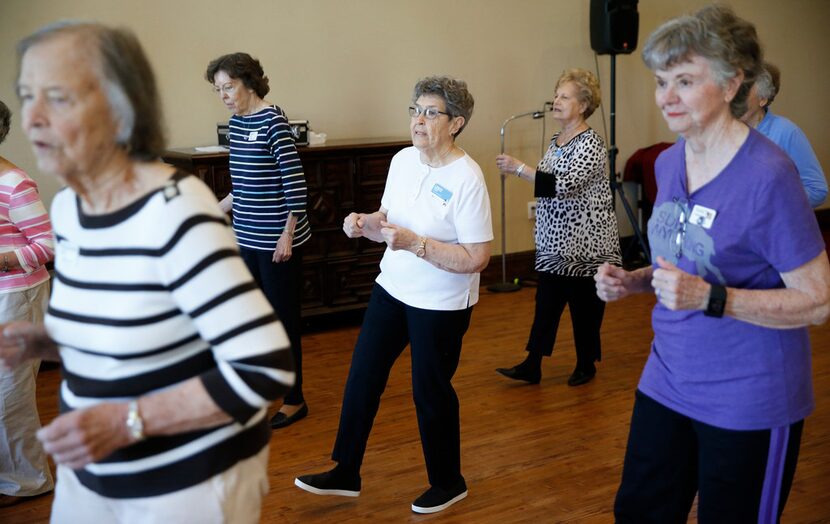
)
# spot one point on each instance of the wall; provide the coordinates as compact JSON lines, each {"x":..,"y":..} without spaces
{"x":348,"y":67}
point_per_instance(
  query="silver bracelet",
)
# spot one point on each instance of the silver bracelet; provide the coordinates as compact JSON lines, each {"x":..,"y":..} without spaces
{"x":520,"y":170}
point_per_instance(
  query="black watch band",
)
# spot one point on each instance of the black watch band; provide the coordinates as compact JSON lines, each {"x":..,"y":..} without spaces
{"x":717,"y":301}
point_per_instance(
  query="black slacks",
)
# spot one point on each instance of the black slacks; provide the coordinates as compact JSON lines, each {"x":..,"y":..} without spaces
{"x":435,"y":338}
{"x":587,"y":310}
{"x":739,"y":476}
{"x":282,"y":285}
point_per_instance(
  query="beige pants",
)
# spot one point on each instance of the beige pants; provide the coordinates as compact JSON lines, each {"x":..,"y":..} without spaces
{"x":24,"y":470}
{"x":234,"y":496}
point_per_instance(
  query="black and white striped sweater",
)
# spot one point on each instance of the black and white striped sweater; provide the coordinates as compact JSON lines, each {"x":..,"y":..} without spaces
{"x":147,"y":297}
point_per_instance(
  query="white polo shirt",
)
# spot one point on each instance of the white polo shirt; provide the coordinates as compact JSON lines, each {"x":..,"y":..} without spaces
{"x":449,"y":204}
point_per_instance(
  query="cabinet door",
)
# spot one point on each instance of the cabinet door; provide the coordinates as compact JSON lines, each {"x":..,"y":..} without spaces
{"x":221,"y":183}
{"x":330,"y":182}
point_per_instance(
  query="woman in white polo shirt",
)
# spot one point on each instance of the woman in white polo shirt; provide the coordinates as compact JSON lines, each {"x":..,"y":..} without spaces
{"x":435,"y":219}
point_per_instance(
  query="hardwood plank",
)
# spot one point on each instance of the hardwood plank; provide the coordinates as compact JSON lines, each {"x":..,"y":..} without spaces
{"x":545,"y":453}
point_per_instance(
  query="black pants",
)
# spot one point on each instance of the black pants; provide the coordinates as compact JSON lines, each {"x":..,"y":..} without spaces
{"x":587,"y":310}
{"x":740,"y":476}
{"x":282,"y":285}
{"x":435,"y":338}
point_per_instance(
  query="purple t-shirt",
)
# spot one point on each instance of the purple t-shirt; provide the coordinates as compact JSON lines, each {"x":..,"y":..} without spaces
{"x":742,"y":229}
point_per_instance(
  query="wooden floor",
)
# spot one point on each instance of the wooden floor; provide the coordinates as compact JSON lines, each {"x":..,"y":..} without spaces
{"x":545,"y":453}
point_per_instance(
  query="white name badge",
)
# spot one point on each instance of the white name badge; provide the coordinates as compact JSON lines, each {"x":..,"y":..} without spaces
{"x":702,"y":216}
{"x":252,"y":136}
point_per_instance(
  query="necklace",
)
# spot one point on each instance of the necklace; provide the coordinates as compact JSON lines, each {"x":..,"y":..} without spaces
{"x":566,"y":136}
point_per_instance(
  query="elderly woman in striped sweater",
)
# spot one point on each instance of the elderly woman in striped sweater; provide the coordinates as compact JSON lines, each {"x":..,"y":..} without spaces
{"x":268,"y":201}
{"x":170,"y":353}
{"x":25,"y":247}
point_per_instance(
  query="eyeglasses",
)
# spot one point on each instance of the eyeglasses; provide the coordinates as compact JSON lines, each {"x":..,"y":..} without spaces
{"x":681,"y":232}
{"x":227,"y":88}
{"x":430,"y":113}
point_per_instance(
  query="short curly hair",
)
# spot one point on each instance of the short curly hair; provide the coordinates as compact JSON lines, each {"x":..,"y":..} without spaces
{"x":729,"y":43}
{"x":241,"y":66}
{"x":588,"y":85}
{"x":5,"y":121}
{"x":453,"y":91}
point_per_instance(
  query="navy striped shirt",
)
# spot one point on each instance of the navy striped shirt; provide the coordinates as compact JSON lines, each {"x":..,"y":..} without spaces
{"x":267,"y":178}
{"x":147,"y":297}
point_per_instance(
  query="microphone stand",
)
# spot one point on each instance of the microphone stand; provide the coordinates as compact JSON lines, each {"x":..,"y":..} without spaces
{"x":504,"y":286}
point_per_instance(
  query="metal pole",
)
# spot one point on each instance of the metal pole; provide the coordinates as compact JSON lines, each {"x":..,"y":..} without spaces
{"x":612,"y":157}
{"x":505,"y":286}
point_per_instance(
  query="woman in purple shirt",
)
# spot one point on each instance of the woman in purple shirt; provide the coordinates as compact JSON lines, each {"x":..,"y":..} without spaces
{"x":740,"y":273}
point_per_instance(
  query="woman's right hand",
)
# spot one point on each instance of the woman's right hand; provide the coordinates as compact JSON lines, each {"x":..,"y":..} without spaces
{"x":507,"y":164}
{"x":353,"y":225}
{"x":613,"y":283}
{"x":22,"y":341}
{"x":226,"y":204}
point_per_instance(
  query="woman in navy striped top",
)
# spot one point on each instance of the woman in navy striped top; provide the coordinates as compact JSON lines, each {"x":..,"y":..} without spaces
{"x":170,"y":353}
{"x":268,"y":200}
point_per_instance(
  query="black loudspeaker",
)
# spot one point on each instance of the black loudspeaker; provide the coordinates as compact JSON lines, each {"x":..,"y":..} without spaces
{"x":614,"y":26}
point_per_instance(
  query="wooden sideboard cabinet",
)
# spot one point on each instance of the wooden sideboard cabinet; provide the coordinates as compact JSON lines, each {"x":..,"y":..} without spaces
{"x":342,"y":176}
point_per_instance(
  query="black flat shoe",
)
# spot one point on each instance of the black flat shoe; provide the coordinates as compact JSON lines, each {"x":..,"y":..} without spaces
{"x":281,"y":420}
{"x":580,"y":377}
{"x":517,"y":373}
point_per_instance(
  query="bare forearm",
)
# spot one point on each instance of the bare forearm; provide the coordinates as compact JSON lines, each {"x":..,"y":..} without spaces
{"x":527,"y":173}
{"x":457,"y":258}
{"x":186,"y":407}
{"x":775,"y":308}
{"x":290,"y":224}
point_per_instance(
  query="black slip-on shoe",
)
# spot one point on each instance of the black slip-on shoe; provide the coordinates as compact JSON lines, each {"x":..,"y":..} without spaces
{"x":329,"y":483}
{"x":437,"y":499}
{"x":517,"y":373}
{"x":281,"y":420}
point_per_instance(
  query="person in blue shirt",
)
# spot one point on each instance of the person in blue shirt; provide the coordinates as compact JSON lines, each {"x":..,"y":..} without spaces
{"x":785,"y":133}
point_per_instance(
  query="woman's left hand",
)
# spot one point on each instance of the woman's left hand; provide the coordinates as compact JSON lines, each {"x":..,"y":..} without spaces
{"x":678,"y":290}
{"x":283,"y":250}
{"x":87,"y":435}
{"x":397,"y":237}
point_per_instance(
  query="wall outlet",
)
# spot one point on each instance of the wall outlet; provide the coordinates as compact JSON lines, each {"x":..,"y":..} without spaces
{"x":531,"y":210}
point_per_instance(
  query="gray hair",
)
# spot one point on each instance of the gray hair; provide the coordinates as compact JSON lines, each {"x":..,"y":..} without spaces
{"x":5,"y":121}
{"x":768,"y":83}
{"x":715,"y":33}
{"x":126,"y":77}
{"x":454,"y":92}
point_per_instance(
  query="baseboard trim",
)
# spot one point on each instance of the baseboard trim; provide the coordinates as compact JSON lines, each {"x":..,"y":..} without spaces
{"x":518,"y":265}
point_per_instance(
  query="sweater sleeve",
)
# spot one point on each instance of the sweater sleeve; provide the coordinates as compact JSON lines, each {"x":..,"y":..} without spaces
{"x":281,"y":144}
{"x":809,"y":168}
{"x":210,"y":282}
{"x":29,"y":216}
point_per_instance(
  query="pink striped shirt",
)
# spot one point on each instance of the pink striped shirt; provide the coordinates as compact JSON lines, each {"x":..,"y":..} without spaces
{"x":24,"y":228}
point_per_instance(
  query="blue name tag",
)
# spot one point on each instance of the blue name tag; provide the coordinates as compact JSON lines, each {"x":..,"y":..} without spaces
{"x":442,"y":192}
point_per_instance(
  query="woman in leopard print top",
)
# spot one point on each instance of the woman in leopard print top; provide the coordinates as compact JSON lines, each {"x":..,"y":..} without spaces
{"x":576,"y":230}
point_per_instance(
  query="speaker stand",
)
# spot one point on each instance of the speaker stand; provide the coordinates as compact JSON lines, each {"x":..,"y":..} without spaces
{"x":612,"y":157}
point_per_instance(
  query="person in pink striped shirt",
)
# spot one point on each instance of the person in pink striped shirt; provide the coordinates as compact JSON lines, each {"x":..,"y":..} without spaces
{"x":26,"y":245}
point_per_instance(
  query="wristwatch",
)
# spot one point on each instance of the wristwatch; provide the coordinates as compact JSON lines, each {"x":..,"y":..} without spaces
{"x":135,"y":424}
{"x":422,"y":248}
{"x":717,"y":301}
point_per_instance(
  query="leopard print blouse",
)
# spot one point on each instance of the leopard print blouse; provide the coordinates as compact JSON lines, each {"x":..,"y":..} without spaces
{"x":576,"y":230}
